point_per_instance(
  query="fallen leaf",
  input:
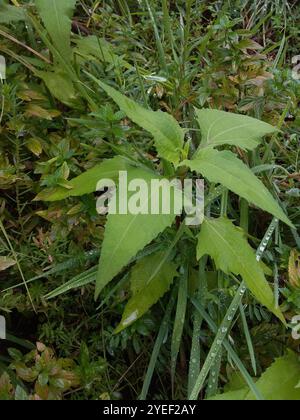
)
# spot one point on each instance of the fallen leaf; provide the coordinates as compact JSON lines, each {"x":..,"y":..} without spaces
{"x":6,"y":263}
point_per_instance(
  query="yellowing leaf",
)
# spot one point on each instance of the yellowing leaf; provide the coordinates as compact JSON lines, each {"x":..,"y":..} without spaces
{"x":151,"y":278}
{"x":6,"y":263}
{"x":219,"y":128}
{"x":226,"y":244}
{"x":33,"y":110}
{"x":226,"y":169}
{"x":29,"y":94}
{"x":167,"y":133}
{"x":294,"y":268}
{"x":35,"y":146}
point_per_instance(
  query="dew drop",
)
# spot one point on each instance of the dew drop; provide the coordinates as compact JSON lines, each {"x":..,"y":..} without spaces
{"x":133,"y":317}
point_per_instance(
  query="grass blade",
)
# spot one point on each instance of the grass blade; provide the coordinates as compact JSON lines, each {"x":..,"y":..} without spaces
{"x":248,"y":339}
{"x":2,"y":228}
{"x":213,"y":383}
{"x":83,"y":279}
{"x":195,"y":358}
{"x":157,"y":346}
{"x":239,"y":364}
{"x":179,"y":322}
{"x":68,"y":265}
{"x":159,"y":45}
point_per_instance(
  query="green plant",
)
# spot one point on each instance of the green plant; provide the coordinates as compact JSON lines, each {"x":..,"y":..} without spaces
{"x":218,"y":238}
{"x":51,"y":377}
{"x":280,"y":382}
{"x":58,"y":123}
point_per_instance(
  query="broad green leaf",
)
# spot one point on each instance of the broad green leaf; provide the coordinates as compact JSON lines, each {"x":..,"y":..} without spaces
{"x":226,"y":244}
{"x":56,"y":16}
{"x":93,"y":47}
{"x":10,"y":13}
{"x":226,"y":169}
{"x":278,"y":383}
{"x":151,"y":278}
{"x":127,"y":234}
{"x":60,"y":85}
{"x":168,"y":135}
{"x":236,"y":382}
{"x":86,"y":183}
{"x":280,"y":380}
{"x":147,"y":270}
{"x":219,"y":128}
